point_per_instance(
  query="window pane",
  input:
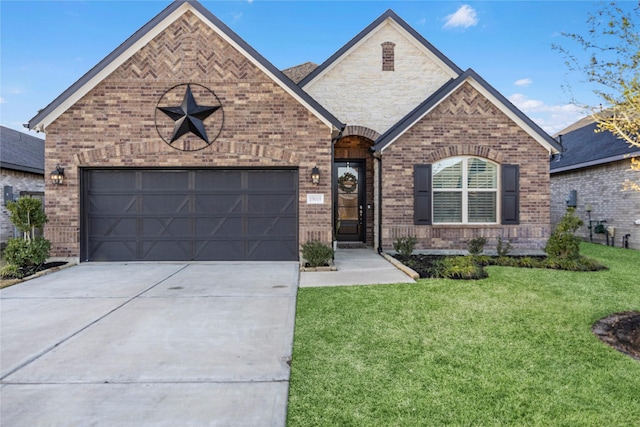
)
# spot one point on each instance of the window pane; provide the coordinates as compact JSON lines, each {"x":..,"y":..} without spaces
{"x":482,"y":207}
{"x":482,"y":174}
{"x":447,"y":174}
{"x":447,"y":207}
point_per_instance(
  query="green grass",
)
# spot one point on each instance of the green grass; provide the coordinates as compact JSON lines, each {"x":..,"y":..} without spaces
{"x":513,"y":349}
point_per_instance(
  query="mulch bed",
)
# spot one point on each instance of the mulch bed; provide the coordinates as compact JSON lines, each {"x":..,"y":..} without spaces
{"x":620,"y":331}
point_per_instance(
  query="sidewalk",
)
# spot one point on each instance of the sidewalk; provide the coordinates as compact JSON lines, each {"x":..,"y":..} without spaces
{"x":356,"y":267}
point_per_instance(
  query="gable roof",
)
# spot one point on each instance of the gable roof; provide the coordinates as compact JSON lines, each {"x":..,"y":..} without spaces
{"x":583,"y":147}
{"x":496,"y":98}
{"x":21,"y":152}
{"x":452,"y":69}
{"x":145,"y":34}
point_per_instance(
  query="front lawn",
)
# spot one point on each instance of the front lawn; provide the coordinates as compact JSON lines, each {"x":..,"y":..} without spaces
{"x":513,"y":349}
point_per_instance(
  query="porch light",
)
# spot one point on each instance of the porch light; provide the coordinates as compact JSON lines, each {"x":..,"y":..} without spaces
{"x":57,"y":176}
{"x":315,"y":175}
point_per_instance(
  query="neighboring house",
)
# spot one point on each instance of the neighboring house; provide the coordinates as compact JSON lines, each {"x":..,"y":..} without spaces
{"x":22,"y":172}
{"x":590,"y":173}
{"x":185,"y":143}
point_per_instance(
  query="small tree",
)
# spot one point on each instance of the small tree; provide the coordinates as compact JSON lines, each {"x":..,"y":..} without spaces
{"x":563,"y":243}
{"x":25,"y":255}
{"x":27,"y":215}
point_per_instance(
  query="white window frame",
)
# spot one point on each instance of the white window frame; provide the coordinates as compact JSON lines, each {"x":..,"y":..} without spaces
{"x":465,"y":191}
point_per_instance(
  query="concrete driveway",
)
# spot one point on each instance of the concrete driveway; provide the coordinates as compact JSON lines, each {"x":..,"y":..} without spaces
{"x":149,"y":344}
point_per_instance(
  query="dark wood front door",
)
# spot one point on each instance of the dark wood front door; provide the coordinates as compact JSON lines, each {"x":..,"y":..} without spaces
{"x":349,"y":200}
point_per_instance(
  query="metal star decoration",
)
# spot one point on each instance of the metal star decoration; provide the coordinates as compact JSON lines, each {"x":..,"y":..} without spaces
{"x":189,"y":117}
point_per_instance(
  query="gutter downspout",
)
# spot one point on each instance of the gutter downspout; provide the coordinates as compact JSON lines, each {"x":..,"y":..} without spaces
{"x":378,"y":202}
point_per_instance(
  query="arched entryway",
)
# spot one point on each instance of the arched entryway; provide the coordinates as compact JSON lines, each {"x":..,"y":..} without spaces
{"x":353,"y":190}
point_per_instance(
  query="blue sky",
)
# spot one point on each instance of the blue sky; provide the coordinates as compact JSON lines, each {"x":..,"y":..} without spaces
{"x":47,"y":45}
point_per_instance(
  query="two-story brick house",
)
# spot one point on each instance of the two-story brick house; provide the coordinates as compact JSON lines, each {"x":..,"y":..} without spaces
{"x":186,"y":144}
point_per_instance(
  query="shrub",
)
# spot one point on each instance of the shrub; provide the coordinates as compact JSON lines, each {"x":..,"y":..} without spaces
{"x":27,"y":254}
{"x":476,"y":245}
{"x":503,"y":248}
{"x":11,"y":272}
{"x":459,"y":267}
{"x":563,"y":243}
{"x":579,"y":264}
{"x":317,"y":253}
{"x":405,"y":245}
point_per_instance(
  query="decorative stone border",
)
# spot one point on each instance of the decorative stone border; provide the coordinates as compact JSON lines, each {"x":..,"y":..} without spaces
{"x":5,"y":283}
{"x":400,"y":266}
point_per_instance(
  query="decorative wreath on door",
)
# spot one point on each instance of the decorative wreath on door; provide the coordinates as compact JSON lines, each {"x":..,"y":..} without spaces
{"x":348,"y":182}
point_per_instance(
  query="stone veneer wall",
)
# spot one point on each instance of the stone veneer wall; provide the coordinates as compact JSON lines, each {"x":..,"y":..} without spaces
{"x":20,"y":181}
{"x":358,"y":92}
{"x":113,"y":126}
{"x":466,"y":123}
{"x":601,"y":187}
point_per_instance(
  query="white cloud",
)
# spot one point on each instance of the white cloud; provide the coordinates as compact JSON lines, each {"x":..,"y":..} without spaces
{"x":523,"y":82}
{"x":465,"y":17}
{"x":552,"y":118}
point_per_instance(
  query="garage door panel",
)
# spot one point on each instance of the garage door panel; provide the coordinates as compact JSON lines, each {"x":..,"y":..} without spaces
{"x":154,"y":215}
{"x":113,"y":226}
{"x":106,"y":203}
{"x":171,"y":250}
{"x":271,"y":250}
{"x":221,"y":180}
{"x":114,"y":251}
{"x":164,"y":180}
{"x":269,"y":181}
{"x":272,"y":204}
{"x":274,"y":226}
{"x":108,"y":180}
{"x":170,"y":227}
{"x":227,"y":250}
{"x":165,"y":203}
{"x":218,"y":203}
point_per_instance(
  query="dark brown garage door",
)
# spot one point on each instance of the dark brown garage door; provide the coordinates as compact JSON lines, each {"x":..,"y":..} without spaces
{"x":185,"y":215}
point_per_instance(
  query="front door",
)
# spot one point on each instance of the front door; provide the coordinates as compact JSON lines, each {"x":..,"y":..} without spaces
{"x":349,"y":198}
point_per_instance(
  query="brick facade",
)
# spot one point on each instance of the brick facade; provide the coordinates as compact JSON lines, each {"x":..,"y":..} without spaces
{"x":466,"y":123}
{"x":21,"y":182}
{"x":114,"y":126}
{"x":601,"y":187}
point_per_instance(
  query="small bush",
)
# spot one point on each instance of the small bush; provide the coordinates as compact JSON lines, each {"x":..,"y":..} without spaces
{"x":563,"y":244}
{"x":459,"y":267}
{"x":11,"y":272}
{"x":569,"y":264}
{"x":27,"y":254}
{"x":405,"y":245}
{"x":476,"y":245}
{"x":317,"y":253}
{"x":503,"y":248}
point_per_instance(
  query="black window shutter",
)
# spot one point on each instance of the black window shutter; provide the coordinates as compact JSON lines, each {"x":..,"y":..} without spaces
{"x":510,"y":194}
{"x":422,"y":194}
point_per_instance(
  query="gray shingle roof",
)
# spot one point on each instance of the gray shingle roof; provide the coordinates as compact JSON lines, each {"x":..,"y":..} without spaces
{"x":21,"y":152}
{"x":299,"y":72}
{"x":583,"y":147}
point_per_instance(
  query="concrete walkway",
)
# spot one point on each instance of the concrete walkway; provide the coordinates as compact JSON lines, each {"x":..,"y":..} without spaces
{"x":356,"y":267}
{"x":160,"y":344}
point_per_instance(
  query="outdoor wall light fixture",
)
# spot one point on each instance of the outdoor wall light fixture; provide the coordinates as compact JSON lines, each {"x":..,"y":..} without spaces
{"x":315,"y":175}
{"x":57,"y":176}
